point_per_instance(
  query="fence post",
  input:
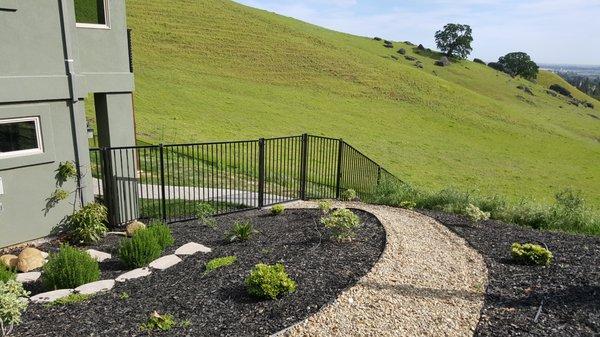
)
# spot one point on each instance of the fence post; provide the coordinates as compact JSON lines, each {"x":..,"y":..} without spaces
{"x":261,"y":173}
{"x":338,"y":177}
{"x":378,"y":175}
{"x":163,"y":201}
{"x":108,"y":187}
{"x":304,"y":166}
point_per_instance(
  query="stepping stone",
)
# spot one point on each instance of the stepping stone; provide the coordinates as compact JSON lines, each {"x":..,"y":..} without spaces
{"x":165,"y":262}
{"x":32,"y":276}
{"x":192,"y":248}
{"x":98,"y":255}
{"x":51,"y":296}
{"x":95,"y":287}
{"x":133,"y":274}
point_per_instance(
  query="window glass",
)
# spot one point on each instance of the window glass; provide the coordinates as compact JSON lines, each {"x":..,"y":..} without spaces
{"x":90,"y":11}
{"x":19,"y":135}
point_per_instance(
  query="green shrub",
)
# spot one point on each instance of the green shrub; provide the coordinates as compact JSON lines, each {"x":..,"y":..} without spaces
{"x":158,"y":322}
{"x":269,"y":281}
{"x":162,"y":233}
{"x":141,"y":249}
{"x":348,"y":195}
{"x":87,"y":225}
{"x":342,"y":223}
{"x":241,"y":231}
{"x":277,"y":209}
{"x":480,"y":61}
{"x":6,"y":273}
{"x":13,"y":301}
{"x":68,"y":300}
{"x":204,"y":213}
{"x":531,"y":254}
{"x":65,"y":171}
{"x":69,"y":268}
{"x":475,"y":214}
{"x":219,"y":262}
{"x":325,"y":206}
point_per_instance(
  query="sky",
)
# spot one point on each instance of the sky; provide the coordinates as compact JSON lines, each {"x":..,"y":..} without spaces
{"x":551,"y":31}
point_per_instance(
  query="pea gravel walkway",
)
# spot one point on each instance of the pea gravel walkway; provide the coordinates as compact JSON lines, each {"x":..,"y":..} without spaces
{"x":428,"y":282}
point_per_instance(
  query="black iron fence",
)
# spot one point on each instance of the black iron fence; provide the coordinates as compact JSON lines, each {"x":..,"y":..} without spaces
{"x":176,"y":182}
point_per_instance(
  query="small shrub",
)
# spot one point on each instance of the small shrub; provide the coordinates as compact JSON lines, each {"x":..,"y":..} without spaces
{"x":480,"y":61}
{"x":158,"y":322}
{"x":13,"y":301}
{"x":342,"y":223}
{"x":277,"y":209}
{"x":376,"y":38}
{"x":531,"y":254}
{"x":87,"y":225}
{"x":241,"y":231}
{"x":219,"y":262}
{"x":162,"y":233}
{"x":348,"y":195}
{"x":561,"y":90}
{"x":68,"y":300}
{"x":325,"y":206}
{"x":141,"y":249}
{"x":269,"y":281}
{"x":402,"y":51}
{"x":6,"y":273}
{"x":407,"y":204}
{"x":204,"y":213}
{"x":69,"y":268}
{"x":475,"y":214}
{"x":124,"y":296}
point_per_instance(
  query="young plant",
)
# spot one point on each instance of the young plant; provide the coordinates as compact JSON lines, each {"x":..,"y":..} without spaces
{"x":342,"y":223}
{"x":475,"y":214}
{"x":87,"y":225}
{"x":69,"y":268}
{"x":348,"y":195}
{"x":219,"y":262}
{"x":68,"y":300}
{"x":124,"y":296}
{"x":277,"y":209}
{"x":204,"y":213}
{"x":65,"y":171}
{"x":269,"y":281}
{"x":140,"y":250}
{"x":162,"y":233}
{"x":241,"y":231}
{"x":6,"y":273}
{"x":159,"y":322}
{"x":13,"y":301}
{"x":531,"y":254}
{"x":325,"y":206}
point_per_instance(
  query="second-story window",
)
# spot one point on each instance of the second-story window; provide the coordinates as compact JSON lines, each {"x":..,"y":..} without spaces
{"x":91,"y":13}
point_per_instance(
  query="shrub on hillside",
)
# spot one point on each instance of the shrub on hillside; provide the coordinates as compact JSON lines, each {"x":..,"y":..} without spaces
{"x":69,"y":268}
{"x":561,"y":90}
{"x":496,"y":66}
{"x":162,"y":233}
{"x":342,"y":223}
{"x":480,"y":61}
{"x":402,"y":51}
{"x":269,"y":281}
{"x":531,"y":254}
{"x":13,"y":301}
{"x":88,"y":224}
{"x":140,"y":250}
{"x":377,"y":38}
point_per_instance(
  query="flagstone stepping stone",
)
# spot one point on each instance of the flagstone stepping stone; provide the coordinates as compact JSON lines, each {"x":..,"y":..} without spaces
{"x":165,"y":262}
{"x":192,"y":248}
{"x":133,"y":274}
{"x":32,"y":276}
{"x":51,"y":296}
{"x":98,"y":255}
{"x":95,"y":287}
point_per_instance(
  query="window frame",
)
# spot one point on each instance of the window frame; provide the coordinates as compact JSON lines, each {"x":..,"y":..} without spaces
{"x":38,"y":135}
{"x":106,"y":25}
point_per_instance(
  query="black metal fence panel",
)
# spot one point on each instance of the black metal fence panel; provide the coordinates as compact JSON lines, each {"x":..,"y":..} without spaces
{"x":176,"y":182}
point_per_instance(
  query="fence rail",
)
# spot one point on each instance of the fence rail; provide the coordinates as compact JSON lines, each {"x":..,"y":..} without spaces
{"x":173,"y":182}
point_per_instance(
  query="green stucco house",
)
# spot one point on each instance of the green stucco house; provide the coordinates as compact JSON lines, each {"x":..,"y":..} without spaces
{"x":53,"y":55}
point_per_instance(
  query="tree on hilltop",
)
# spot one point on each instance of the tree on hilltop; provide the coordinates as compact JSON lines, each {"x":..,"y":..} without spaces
{"x":519,"y":64}
{"x":455,"y":40}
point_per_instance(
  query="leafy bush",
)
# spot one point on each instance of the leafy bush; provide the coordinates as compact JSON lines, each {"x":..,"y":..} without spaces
{"x":475,"y":214}
{"x":342,"y":223}
{"x":162,"y":233}
{"x":158,"y":322}
{"x":219,"y":262}
{"x":13,"y":301}
{"x":269,"y":281}
{"x":141,"y":249}
{"x":241,"y":231}
{"x":325,"y":206}
{"x":277,"y":209}
{"x":69,"y":268}
{"x":531,"y":254}
{"x":348,"y":195}
{"x":377,"y":38}
{"x":6,"y":273}
{"x":480,"y":61}
{"x":65,"y":171}
{"x":204,"y":213}
{"x":87,"y":225}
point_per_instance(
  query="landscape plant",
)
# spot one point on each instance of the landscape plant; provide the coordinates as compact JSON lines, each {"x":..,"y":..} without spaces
{"x":162,"y":233}
{"x":6,"y":273}
{"x":88,"y":224}
{"x":156,"y":321}
{"x":277,"y":209}
{"x":531,"y":254}
{"x":140,"y":250}
{"x":348,"y":195}
{"x":269,"y":281}
{"x":342,"y":223}
{"x":13,"y":301}
{"x":204,"y":213}
{"x":241,"y":231}
{"x":68,"y":300}
{"x":69,"y":268}
{"x":475,"y":214}
{"x":325,"y":206}
{"x":219,"y":262}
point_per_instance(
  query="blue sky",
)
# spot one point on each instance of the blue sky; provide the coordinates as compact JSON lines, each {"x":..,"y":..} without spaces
{"x":551,"y":31}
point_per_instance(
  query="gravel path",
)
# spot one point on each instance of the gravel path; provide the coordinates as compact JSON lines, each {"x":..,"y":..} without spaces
{"x":428,"y":282}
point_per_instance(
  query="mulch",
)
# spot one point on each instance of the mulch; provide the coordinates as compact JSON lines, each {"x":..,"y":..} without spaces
{"x":568,"y":291}
{"x":217,"y":304}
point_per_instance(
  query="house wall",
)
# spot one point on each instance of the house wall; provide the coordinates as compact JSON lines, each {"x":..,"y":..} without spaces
{"x":34,"y":81}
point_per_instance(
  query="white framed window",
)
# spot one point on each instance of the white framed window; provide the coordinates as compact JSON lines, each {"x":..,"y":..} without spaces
{"x":92,"y":14}
{"x":20,"y":137}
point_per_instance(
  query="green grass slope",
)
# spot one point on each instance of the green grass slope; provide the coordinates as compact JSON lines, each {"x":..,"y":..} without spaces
{"x":217,"y":70}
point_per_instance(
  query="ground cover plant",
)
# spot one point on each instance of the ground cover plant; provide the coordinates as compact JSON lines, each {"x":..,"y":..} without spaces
{"x":219,"y":262}
{"x":530,"y":253}
{"x":13,"y":301}
{"x":69,"y":300}
{"x":277,"y":209}
{"x":156,"y":321}
{"x":69,"y":268}
{"x":6,"y":273}
{"x":269,"y":281}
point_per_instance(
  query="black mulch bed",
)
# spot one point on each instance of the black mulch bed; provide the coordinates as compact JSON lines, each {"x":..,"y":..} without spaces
{"x":569,"y":288}
{"x":217,"y":304}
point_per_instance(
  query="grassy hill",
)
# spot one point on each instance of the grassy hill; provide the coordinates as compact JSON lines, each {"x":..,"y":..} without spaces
{"x":218,"y":70}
